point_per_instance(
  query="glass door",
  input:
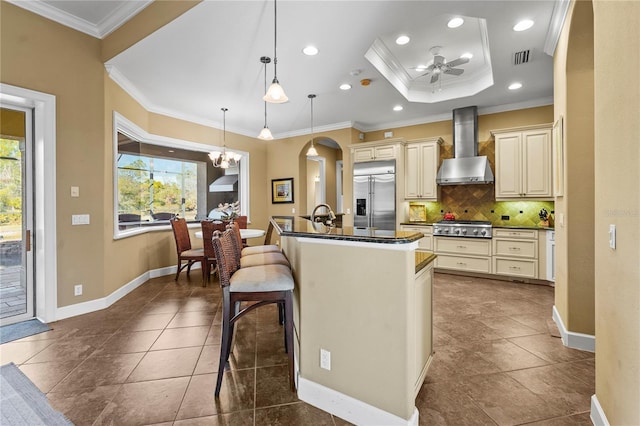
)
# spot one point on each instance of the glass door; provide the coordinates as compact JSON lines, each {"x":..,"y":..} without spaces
{"x":16,"y":217}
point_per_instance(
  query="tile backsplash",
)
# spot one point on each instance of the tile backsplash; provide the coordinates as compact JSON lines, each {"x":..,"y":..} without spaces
{"x":477,"y":202}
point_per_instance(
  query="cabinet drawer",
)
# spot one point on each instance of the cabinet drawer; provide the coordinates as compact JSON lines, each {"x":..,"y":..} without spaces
{"x":463,"y":246}
{"x":516,"y":248}
{"x":463,"y":263}
{"x":426,"y":243}
{"x":515,"y":233}
{"x":426,"y":229}
{"x":515,"y":267}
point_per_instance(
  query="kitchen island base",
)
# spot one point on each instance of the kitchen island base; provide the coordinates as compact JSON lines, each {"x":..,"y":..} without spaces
{"x":364,"y":303}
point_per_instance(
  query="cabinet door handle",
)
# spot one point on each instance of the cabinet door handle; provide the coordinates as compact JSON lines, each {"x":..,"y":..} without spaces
{"x":514,"y":248}
{"x":517,"y":268}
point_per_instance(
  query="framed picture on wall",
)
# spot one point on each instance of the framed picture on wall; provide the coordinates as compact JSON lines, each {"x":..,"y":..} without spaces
{"x":558,"y":158}
{"x":282,"y":190}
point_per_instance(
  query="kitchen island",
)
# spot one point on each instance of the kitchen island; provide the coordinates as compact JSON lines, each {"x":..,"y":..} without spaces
{"x":363,"y":319}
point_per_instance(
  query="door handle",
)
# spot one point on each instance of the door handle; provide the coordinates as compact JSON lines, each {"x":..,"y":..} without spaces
{"x":28,"y":242}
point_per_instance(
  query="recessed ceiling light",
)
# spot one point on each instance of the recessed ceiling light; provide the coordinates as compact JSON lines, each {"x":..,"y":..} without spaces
{"x":398,"y":108}
{"x":455,"y":22}
{"x":523,"y":25}
{"x":467,"y":55}
{"x":515,"y":86}
{"x":402,"y":40}
{"x":345,"y":86}
{"x":310,"y":50}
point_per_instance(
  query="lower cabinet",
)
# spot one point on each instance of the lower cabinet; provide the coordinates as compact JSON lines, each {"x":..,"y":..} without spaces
{"x":423,"y":320}
{"x":515,"y":252}
{"x":426,"y":242}
{"x":463,"y":254}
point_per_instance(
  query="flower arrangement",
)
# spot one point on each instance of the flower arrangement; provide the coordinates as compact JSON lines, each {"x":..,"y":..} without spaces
{"x":230,"y":210}
{"x":544,"y":217}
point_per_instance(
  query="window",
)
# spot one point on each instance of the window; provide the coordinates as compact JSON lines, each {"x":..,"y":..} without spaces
{"x":156,"y":178}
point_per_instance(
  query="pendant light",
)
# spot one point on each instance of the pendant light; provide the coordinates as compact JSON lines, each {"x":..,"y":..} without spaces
{"x":275,"y":94}
{"x":265,"y":133}
{"x":224,"y":159}
{"x":312,"y":152}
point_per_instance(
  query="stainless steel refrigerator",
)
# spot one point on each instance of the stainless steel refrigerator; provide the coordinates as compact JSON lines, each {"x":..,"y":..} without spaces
{"x":374,"y":191}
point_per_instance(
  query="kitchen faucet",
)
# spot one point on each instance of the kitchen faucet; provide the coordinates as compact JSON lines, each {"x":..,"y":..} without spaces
{"x":332,"y":215}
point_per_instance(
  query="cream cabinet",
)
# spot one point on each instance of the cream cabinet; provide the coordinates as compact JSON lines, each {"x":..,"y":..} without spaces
{"x":422,"y":324}
{"x":463,"y":254}
{"x":523,"y":163}
{"x":372,"y":151}
{"x":515,"y":252}
{"x":421,"y":158}
{"x":426,"y":242}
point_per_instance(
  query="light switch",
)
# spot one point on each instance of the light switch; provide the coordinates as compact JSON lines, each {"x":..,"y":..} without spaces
{"x":612,"y":236}
{"x":80,"y":219}
{"x":75,"y":191}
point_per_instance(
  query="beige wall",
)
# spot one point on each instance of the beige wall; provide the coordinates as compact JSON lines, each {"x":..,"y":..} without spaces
{"x":573,"y":65}
{"x":41,"y":55}
{"x":617,"y":194}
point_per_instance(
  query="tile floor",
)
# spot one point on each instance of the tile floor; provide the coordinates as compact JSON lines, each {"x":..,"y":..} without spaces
{"x":151,"y":358}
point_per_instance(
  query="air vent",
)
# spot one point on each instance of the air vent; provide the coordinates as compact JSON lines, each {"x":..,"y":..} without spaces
{"x":521,"y":57}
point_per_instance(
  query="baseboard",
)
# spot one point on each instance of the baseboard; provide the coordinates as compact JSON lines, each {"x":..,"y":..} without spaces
{"x":349,"y":408}
{"x":104,"y":302}
{"x":598,"y":418}
{"x":583,"y":342}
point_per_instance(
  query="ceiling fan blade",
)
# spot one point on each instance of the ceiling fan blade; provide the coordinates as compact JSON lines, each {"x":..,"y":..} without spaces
{"x":438,"y":60}
{"x":434,"y":78}
{"x":454,"y":71}
{"x":457,"y":62}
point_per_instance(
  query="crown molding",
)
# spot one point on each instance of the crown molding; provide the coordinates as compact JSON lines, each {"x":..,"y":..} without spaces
{"x":558,"y":16}
{"x":119,"y":16}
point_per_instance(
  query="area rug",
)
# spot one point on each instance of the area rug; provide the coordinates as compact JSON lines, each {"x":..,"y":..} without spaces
{"x":22,"y":329}
{"x":22,"y":403}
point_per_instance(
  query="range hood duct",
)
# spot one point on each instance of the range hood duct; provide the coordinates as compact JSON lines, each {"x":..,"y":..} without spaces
{"x":467,"y":167}
{"x":225,"y":183}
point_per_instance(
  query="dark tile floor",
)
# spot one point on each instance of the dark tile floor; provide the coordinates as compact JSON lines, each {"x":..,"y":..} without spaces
{"x":152,"y":358}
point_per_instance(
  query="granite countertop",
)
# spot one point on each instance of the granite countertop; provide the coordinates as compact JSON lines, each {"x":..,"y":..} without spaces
{"x":541,"y":228}
{"x":295,"y":226}
{"x":423,"y":258}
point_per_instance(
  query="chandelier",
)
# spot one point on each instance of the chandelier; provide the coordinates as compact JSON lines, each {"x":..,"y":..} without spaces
{"x":224,"y":159}
{"x":275,"y":94}
{"x":265,"y":133}
{"x":312,"y":152}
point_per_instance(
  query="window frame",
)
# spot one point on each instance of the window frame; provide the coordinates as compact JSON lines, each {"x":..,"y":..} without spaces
{"x":122,"y":125}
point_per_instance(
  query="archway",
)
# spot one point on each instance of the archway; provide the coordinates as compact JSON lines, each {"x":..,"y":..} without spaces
{"x":321,"y":175}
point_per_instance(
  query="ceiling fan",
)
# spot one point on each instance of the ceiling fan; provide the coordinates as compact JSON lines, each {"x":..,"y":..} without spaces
{"x":441,"y":66}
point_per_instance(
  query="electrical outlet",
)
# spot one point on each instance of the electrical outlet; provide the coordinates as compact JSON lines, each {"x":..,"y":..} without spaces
{"x":348,"y":211}
{"x":77,"y":290}
{"x":293,"y":210}
{"x":75,"y":191}
{"x":325,"y":359}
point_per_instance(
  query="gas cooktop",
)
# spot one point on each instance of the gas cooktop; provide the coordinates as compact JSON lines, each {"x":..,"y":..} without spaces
{"x":463,"y":228}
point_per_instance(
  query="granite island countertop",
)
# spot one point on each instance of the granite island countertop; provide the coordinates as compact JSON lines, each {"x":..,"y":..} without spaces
{"x":294,"y":226}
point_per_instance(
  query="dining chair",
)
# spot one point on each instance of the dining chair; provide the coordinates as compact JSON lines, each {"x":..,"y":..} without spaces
{"x":209,"y":227}
{"x":261,"y":285}
{"x":184,"y":250}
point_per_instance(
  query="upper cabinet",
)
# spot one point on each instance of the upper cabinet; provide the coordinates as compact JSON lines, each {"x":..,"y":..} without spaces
{"x":379,"y":150}
{"x":523,"y":162}
{"x":421,"y":167}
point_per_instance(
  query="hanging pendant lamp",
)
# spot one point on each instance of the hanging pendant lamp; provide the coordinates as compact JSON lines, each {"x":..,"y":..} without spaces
{"x":265,"y":133}
{"x":275,"y":94}
{"x":312,"y":152}
{"x":224,"y":159}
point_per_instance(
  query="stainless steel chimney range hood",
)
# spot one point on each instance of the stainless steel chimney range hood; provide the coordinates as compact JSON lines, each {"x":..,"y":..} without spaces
{"x":467,"y":167}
